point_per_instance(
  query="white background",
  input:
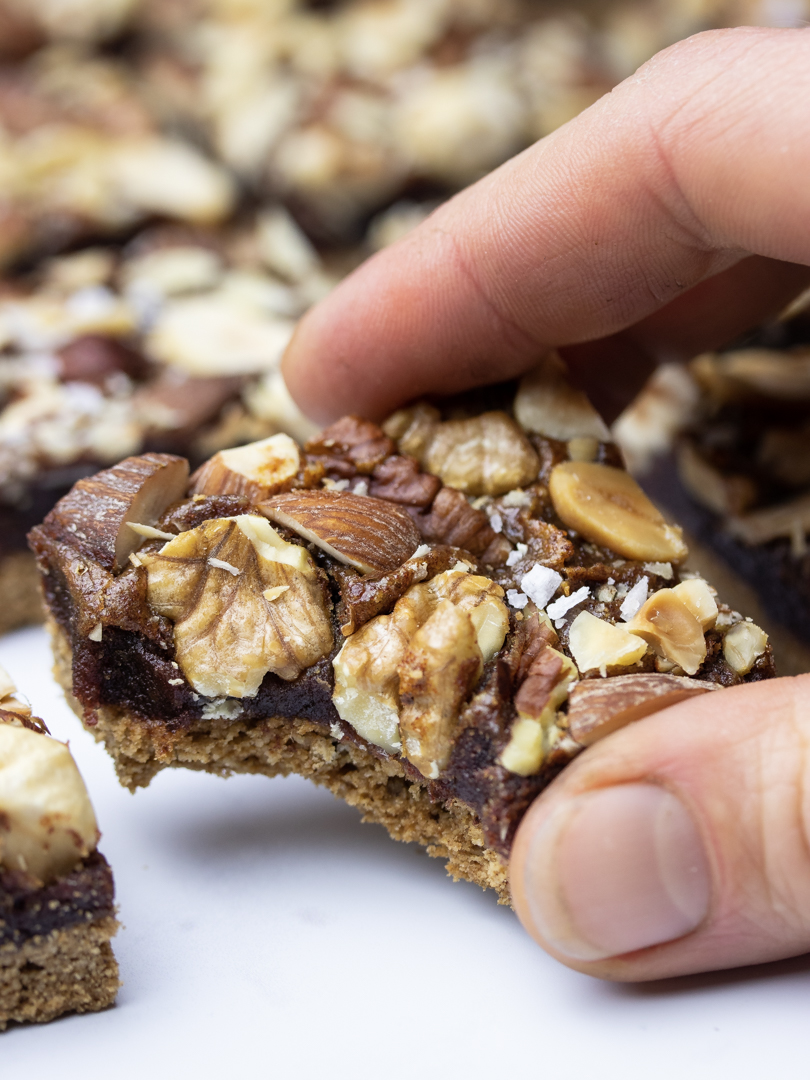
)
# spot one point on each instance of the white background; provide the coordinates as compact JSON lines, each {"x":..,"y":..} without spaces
{"x":269,"y":933}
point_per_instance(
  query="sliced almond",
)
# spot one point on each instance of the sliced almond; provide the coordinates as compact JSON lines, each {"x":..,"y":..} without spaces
{"x":597,"y":644}
{"x":673,"y":630}
{"x":597,"y":707}
{"x":547,"y":404}
{"x":743,"y":645}
{"x":98,"y":510}
{"x":607,"y":507}
{"x":372,"y":535}
{"x":255,"y":471}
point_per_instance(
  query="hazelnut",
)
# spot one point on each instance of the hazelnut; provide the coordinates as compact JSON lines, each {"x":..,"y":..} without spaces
{"x":548,"y":405}
{"x":699,"y":598}
{"x":48,"y":823}
{"x":597,"y":644}
{"x":212,"y":583}
{"x":743,"y":645}
{"x":607,"y":507}
{"x":256,"y":471}
{"x":671,"y":627}
{"x":372,"y":535}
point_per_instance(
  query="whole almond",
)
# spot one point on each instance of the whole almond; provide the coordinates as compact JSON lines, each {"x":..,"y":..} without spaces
{"x":372,"y":535}
{"x":597,"y":707}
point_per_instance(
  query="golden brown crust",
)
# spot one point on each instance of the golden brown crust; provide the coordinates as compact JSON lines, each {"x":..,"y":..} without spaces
{"x":70,"y":970}
{"x":20,"y":596}
{"x":277,"y":747}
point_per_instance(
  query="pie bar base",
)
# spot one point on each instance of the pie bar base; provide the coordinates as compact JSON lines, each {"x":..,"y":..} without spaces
{"x":20,"y":596}
{"x":70,"y":970}
{"x":378,"y":786}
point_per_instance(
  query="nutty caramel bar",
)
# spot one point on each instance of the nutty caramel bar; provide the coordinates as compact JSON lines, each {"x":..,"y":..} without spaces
{"x":169,"y":343}
{"x":57,"y":911}
{"x":431,"y":618}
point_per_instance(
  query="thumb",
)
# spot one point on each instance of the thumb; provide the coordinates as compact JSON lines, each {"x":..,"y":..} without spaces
{"x":680,"y":844}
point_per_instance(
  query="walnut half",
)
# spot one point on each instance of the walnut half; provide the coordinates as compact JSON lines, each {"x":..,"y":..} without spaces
{"x":401,"y":679}
{"x":243,"y":601}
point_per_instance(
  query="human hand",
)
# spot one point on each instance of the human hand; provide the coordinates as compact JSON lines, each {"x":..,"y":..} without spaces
{"x":668,"y":218}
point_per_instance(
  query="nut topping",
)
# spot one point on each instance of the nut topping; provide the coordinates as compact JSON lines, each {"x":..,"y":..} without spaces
{"x":597,"y":707}
{"x":98,"y":510}
{"x":597,"y":645}
{"x":607,"y":507}
{"x":669,"y":624}
{"x":255,"y":471}
{"x":371,"y":535}
{"x":485,"y":455}
{"x":228,"y":631}
{"x":699,"y":598}
{"x":48,"y":822}
{"x":743,"y":645}
{"x":391,"y":676}
{"x":547,"y":404}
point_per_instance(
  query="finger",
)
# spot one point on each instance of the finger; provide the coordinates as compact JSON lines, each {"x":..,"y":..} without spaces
{"x":613,"y":370}
{"x":680,"y":844}
{"x":696,"y":161}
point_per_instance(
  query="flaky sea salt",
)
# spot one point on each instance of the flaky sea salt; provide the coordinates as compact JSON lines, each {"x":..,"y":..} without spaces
{"x":560,"y":607}
{"x":540,"y":584}
{"x":516,"y":599}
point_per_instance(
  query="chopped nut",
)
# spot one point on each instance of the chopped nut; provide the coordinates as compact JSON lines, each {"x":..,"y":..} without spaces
{"x":546,"y":685}
{"x":98,"y":509}
{"x":718,"y":492}
{"x":227,"y":634}
{"x":48,"y":821}
{"x":361,"y":444}
{"x":598,"y":707}
{"x":484,"y":455}
{"x":442,"y":665}
{"x":372,"y":535}
{"x":762,"y":526}
{"x":635,"y":599}
{"x":256,"y":471}
{"x":699,"y":598}
{"x":598,"y":645}
{"x":743,"y":645}
{"x":548,"y":405}
{"x":451,"y":520}
{"x":669,"y":624}
{"x":607,"y":507}
{"x":400,"y":480}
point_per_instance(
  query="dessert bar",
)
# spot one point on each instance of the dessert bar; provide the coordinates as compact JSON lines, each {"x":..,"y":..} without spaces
{"x":431,"y":618}
{"x":57,"y":911}
{"x":170,"y":342}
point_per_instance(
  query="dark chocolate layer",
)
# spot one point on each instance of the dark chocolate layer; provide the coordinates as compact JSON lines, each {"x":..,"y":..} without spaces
{"x":86,"y":894}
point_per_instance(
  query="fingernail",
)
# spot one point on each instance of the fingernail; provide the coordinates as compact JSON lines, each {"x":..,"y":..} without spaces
{"x":617,"y":870}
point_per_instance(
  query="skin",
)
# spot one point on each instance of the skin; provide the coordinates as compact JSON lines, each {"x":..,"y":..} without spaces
{"x":665,"y":220}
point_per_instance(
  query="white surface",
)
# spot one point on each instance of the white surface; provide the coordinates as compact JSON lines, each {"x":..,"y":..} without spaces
{"x":269,"y":933}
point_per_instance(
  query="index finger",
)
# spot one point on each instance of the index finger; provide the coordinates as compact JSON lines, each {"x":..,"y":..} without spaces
{"x":695,"y":162}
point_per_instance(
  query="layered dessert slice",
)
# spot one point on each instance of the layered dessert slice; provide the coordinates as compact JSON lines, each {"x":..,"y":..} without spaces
{"x":170,"y":343}
{"x":430,"y":618}
{"x":57,"y":910}
{"x":739,"y":474}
